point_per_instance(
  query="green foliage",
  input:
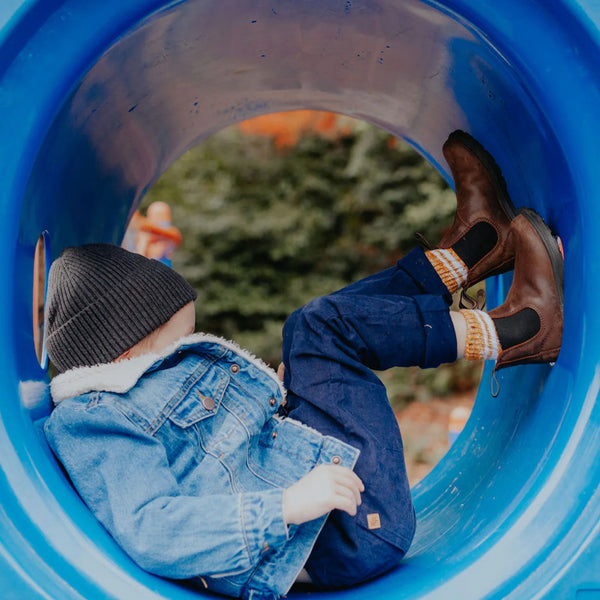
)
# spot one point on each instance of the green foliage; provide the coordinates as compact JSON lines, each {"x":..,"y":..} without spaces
{"x":408,"y":384}
{"x":266,"y":230}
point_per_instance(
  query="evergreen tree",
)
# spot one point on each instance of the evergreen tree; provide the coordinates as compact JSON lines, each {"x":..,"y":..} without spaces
{"x":266,"y":230}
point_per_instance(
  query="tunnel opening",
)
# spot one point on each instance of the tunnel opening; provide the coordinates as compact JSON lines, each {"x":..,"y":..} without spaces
{"x":291,"y":206}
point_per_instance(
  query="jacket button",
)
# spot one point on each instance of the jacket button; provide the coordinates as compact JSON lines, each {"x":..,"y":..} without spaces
{"x":336,"y":460}
{"x":272,"y":402}
{"x":274,"y":435}
{"x":234,"y":368}
{"x":208,"y":403}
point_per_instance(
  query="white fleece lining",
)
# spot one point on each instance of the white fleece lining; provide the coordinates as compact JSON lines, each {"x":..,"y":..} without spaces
{"x":120,"y":377}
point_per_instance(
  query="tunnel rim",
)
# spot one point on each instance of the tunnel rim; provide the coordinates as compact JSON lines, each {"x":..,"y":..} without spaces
{"x":442,"y":467}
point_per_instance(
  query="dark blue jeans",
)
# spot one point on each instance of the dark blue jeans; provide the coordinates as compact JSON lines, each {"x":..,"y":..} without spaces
{"x":399,"y":317}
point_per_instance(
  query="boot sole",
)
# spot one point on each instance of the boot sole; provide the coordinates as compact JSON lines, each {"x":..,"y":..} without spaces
{"x":552,"y":249}
{"x":487,"y":160}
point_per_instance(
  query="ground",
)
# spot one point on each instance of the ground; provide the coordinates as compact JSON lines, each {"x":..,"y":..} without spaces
{"x":424,"y":427}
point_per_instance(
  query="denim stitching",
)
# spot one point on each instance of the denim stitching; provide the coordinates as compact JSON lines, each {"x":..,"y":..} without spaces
{"x":243,"y":514}
{"x":204,"y":413}
{"x":247,"y":432}
{"x":94,"y":401}
{"x":171,"y":405}
{"x":232,"y":482}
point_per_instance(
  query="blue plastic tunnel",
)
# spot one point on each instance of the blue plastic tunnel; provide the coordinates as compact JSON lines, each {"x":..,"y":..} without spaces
{"x":98,"y":97}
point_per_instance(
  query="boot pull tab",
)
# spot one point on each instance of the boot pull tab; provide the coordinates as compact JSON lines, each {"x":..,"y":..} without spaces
{"x":469,"y":302}
{"x":422,"y":241}
{"x":494,"y":384}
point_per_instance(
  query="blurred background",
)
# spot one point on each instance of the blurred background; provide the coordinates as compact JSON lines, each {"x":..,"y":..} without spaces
{"x":268,"y":214}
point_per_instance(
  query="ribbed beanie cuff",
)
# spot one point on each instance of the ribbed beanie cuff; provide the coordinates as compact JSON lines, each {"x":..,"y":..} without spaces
{"x":102,"y":300}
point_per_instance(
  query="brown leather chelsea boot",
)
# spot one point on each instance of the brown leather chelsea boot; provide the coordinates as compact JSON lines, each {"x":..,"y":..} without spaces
{"x":530,"y":321}
{"x":484,"y":209}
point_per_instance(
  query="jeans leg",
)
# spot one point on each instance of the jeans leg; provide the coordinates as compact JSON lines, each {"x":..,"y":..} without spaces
{"x":330,"y":347}
{"x":413,"y":275}
{"x":378,"y":332}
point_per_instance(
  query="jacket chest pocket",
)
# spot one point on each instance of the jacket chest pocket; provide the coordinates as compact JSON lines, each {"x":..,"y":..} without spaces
{"x":199,"y":399}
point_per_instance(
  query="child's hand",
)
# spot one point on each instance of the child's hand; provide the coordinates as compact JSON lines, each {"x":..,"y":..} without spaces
{"x":326,"y":487}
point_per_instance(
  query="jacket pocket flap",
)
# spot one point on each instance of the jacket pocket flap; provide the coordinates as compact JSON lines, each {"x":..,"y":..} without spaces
{"x":200,"y":399}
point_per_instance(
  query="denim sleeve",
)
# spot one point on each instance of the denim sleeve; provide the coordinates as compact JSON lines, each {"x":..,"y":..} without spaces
{"x":123,"y":475}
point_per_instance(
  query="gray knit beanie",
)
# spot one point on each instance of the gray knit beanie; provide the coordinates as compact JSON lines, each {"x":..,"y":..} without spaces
{"x":102,"y":300}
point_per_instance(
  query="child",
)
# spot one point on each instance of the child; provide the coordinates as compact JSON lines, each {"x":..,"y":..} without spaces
{"x":186,"y":447}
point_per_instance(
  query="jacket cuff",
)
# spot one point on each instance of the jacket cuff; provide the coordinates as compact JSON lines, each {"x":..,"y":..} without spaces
{"x":262,"y":522}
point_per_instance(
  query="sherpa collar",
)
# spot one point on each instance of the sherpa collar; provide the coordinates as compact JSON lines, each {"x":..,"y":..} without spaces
{"x":120,"y":377}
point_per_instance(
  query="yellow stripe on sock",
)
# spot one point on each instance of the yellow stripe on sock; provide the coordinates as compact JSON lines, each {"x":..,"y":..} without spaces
{"x":482,"y":339}
{"x":492,"y":335}
{"x":451,"y":269}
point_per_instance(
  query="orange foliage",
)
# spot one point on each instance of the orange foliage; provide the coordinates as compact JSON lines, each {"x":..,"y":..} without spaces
{"x":286,"y":128}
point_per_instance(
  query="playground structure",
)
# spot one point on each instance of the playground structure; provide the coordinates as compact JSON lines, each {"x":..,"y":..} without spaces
{"x":153,"y":235}
{"x":287,"y":128}
{"x":98,"y":97}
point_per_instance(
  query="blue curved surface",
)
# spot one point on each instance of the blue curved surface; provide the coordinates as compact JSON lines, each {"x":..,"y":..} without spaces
{"x":98,"y":97}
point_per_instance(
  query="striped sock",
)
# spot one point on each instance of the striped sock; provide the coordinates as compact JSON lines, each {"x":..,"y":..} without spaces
{"x":451,"y":269}
{"x":482,"y":339}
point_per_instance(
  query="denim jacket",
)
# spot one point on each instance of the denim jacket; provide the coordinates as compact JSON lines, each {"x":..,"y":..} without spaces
{"x":183,"y":457}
